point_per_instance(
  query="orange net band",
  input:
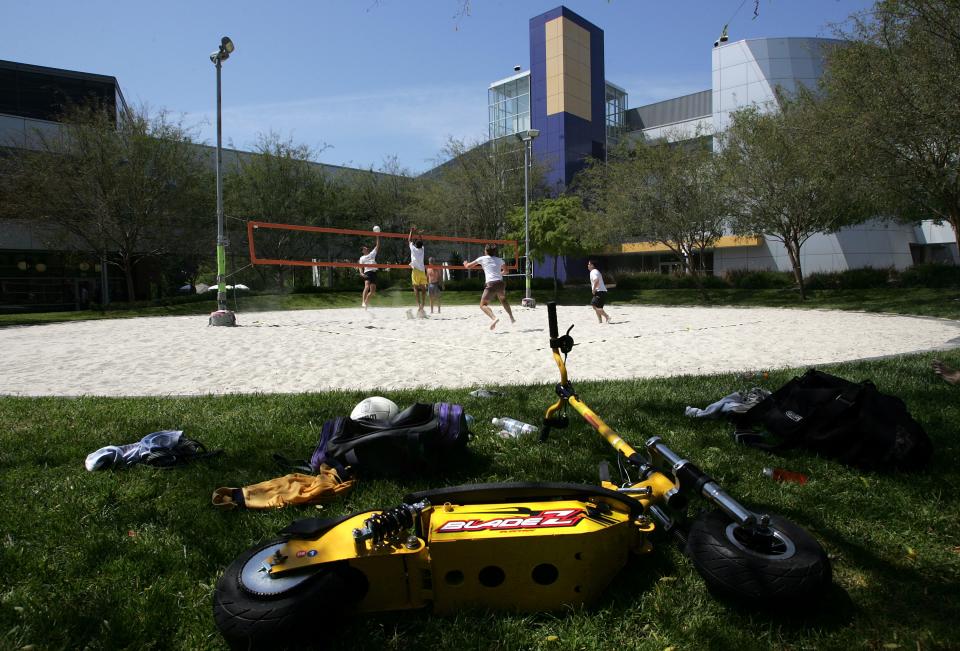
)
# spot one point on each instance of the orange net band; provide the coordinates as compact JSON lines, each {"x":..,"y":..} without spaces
{"x":254,"y":225}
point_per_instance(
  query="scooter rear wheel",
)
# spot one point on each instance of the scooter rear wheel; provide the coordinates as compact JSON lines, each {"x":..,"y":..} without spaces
{"x":776,"y":570}
{"x":254,"y":611}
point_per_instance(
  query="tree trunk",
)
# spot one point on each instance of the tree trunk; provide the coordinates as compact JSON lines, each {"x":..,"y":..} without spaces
{"x":555,"y":259}
{"x":698,"y":277}
{"x":793,"y":252}
{"x":955,"y":223}
{"x":128,"y":273}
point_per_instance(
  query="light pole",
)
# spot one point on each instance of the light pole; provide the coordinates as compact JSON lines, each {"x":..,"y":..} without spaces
{"x":527,"y":138}
{"x":223,"y":316}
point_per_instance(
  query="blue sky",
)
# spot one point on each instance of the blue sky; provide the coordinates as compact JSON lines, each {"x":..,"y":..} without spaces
{"x":370,"y":79}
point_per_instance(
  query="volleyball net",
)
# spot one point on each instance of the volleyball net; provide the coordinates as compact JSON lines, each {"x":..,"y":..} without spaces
{"x":323,"y":246}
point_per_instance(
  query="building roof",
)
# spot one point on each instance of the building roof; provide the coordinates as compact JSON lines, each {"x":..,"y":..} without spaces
{"x":59,"y":72}
{"x":679,"y":109}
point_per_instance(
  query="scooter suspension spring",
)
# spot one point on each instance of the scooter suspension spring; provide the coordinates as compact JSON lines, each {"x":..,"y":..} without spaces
{"x":381,"y":526}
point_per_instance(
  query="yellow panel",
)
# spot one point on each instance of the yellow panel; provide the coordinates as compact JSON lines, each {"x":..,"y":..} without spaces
{"x":468,"y":541}
{"x":553,"y":104}
{"x":725,"y":242}
{"x":578,"y":106}
{"x":568,"y":68}
{"x":576,"y":59}
{"x":553,"y":28}
{"x":554,"y":45}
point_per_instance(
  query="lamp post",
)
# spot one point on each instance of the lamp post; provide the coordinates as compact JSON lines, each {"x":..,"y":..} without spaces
{"x":223,"y":316}
{"x":527,"y":138}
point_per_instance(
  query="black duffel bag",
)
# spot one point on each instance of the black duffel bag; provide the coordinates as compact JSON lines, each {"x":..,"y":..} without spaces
{"x":423,"y":438}
{"x":851,"y":422}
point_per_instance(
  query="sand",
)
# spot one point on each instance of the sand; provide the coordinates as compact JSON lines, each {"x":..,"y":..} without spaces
{"x":381,"y":348}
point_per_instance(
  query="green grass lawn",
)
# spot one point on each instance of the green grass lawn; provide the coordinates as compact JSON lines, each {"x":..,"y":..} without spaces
{"x":128,"y":559}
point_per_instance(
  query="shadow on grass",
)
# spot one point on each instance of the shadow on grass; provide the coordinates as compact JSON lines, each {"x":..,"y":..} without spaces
{"x":886,"y":587}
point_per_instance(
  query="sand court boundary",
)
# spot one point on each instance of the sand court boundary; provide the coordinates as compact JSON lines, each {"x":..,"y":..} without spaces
{"x":383,"y":349}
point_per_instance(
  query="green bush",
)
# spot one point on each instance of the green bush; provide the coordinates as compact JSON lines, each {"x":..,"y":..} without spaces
{"x":865,"y":278}
{"x":539,"y":284}
{"x":822,"y":280}
{"x":646,"y":280}
{"x":931,"y":275}
{"x":343,"y":287}
{"x":708,"y":282}
{"x":747,"y":279}
{"x":464,"y":284}
{"x":347,"y":279}
{"x":171,"y":300}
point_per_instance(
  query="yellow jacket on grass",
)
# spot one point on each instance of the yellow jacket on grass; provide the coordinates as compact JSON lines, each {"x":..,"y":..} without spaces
{"x":276,"y":493}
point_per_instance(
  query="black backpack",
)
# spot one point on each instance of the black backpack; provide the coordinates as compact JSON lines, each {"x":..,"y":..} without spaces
{"x":853,"y":423}
{"x":419,"y":439}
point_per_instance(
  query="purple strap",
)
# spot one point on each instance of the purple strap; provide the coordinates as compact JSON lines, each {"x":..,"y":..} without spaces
{"x":319,"y":457}
{"x":450,"y":420}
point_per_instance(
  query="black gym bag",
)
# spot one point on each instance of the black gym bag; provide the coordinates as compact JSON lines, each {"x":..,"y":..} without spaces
{"x":851,"y":422}
{"x":419,"y":439}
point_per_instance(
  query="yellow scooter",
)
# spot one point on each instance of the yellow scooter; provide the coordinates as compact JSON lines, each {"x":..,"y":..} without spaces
{"x":518,"y":546}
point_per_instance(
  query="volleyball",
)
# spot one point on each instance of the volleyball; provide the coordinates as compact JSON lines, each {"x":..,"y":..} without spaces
{"x":374,"y":408}
{"x":376,"y":229}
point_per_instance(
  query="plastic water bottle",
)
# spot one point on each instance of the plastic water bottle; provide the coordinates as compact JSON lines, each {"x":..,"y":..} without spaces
{"x":484,"y":393}
{"x":779,"y":474}
{"x":470,"y":420}
{"x":514,"y":427}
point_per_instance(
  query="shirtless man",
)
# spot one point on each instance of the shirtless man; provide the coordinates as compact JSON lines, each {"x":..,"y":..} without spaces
{"x":434,"y":284}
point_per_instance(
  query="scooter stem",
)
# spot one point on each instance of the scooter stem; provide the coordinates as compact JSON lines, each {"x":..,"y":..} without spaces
{"x":690,"y":477}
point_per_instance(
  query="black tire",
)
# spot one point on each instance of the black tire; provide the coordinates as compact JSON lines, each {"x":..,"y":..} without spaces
{"x":781,"y":571}
{"x":262,"y":616}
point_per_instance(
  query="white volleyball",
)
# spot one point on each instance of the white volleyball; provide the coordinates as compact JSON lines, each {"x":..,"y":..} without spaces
{"x":374,"y":408}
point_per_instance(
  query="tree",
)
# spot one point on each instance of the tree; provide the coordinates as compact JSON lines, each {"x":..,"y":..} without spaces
{"x":129,"y":187}
{"x":893,"y":98}
{"x":558,"y":226}
{"x":787,"y":183}
{"x":474,"y":190}
{"x":382,"y":197}
{"x":668,"y":193}
{"x":277,"y":183}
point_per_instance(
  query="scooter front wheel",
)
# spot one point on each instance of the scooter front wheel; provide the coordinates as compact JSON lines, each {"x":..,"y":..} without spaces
{"x":777,"y":568}
{"x":254,"y":611}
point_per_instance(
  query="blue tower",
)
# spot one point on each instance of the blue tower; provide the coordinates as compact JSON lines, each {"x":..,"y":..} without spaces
{"x":567,"y":93}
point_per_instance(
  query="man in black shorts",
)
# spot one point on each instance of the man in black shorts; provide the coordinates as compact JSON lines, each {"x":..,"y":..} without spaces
{"x":369,"y":274}
{"x":599,"y":291}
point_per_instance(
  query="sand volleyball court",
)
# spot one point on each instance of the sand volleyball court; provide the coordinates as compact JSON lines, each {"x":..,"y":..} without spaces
{"x":317,"y":350}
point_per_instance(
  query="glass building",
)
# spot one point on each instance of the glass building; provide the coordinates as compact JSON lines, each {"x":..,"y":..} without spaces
{"x":616,"y":113}
{"x":509,"y":106}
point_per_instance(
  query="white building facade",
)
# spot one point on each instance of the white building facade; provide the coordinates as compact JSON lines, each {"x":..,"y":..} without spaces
{"x":748,"y":73}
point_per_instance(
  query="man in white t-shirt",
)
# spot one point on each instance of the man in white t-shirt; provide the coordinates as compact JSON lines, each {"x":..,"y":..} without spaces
{"x":493,"y":268}
{"x":418,"y":275}
{"x":599,"y":290}
{"x":369,"y":274}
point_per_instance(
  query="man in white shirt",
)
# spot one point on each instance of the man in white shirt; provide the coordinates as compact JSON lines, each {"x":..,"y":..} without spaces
{"x":493,"y":268}
{"x":369,"y":274}
{"x":599,"y":290}
{"x":418,"y":277}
